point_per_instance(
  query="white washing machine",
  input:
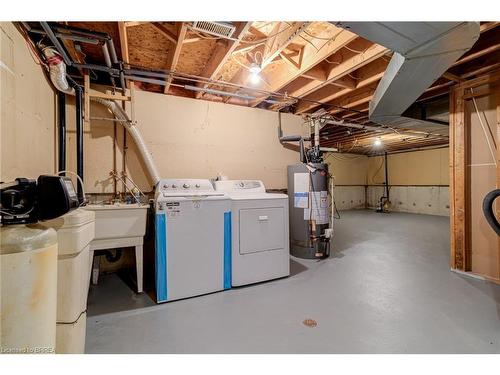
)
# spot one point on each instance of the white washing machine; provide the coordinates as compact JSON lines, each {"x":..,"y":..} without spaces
{"x":260,"y":240}
{"x":193,"y":239}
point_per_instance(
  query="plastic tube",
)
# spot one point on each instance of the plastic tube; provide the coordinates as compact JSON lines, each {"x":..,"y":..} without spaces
{"x":120,"y":114}
{"x":58,"y":77}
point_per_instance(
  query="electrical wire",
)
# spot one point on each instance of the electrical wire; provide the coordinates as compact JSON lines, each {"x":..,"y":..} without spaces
{"x":484,"y":130}
{"x":376,"y":173}
{"x":318,"y":37}
{"x":266,"y":38}
{"x":33,"y":53}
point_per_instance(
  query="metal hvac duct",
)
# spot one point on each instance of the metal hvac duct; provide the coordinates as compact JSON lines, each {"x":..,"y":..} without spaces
{"x":423,"y":51}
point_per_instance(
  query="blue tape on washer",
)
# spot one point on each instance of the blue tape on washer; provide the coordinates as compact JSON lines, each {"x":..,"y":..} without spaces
{"x":161,"y":258}
{"x":227,"y":250}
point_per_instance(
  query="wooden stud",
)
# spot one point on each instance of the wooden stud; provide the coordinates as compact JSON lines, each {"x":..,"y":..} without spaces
{"x":327,"y":91}
{"x":481,"y":70}
{"x":458,"y":179}
{"x":488,"y":26}
{"x":452,"y":77}
{"x":97,"y":94}
{"x":475,"y":55}
{"x":283,"y":37}
{"x":165,"y":32}
{"x":135,"y":23}
{"x":338,"y":73}
{"x":173,"y":58}
{"x":122,"y":30}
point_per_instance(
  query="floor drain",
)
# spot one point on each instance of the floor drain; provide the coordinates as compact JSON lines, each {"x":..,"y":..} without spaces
{"x":311,"y":323}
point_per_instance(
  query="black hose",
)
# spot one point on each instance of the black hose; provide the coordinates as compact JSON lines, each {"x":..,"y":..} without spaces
{"x":109,"y":255}
{"x":79,"y":138}
{"x":61,"y":106}
{"x":488,"y":202}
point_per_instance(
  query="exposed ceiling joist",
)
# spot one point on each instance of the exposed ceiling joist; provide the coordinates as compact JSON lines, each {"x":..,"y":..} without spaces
{"x":283,"y":36}
{"x":173,"y":58}
{"x":356,"y":98}
{"x":223,"y":51}
{"x":134,"y":23}
{"x":366,"y":75}
{"x":314,"y":53}
{"x":165,"y":32}
{"x":122,"y":30}
{"x":488,"y":26}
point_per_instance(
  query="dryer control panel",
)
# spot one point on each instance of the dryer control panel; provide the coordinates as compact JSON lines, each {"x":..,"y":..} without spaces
{"x":243,"y":186}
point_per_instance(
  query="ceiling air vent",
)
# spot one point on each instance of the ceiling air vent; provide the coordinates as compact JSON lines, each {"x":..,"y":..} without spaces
{"x":221,"y":29}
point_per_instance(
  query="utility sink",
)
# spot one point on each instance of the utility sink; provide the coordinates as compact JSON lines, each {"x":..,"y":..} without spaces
{"x":119,"y":226}
{"x":119,"y":220}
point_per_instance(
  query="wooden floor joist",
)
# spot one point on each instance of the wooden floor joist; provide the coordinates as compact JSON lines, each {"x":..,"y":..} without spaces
{"x":305,"y":65}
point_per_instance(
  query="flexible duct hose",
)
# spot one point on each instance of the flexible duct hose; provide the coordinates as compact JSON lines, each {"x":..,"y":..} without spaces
{"x":488,"y":201}
{"x":120,"y":114}
{"x":57,"y":70}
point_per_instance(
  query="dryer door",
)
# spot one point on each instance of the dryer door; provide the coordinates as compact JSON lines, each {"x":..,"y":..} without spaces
{"x":262,"y":229}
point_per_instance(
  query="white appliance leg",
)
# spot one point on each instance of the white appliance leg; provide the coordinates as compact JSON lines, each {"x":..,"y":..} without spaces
{"x":95,"y":270}
{"x":139,"y":266}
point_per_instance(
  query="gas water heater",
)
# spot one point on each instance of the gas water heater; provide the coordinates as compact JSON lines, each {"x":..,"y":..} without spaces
{"x":310,"y":229}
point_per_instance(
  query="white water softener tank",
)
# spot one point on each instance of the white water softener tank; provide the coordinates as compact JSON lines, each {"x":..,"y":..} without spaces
{"x":75,"y":231}
{"x":28,"y":277}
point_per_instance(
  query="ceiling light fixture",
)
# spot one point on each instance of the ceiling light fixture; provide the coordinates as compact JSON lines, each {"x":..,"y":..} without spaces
{"x":255,"y":69}
{"x":254,"y":78}
{"x":377,"y":142}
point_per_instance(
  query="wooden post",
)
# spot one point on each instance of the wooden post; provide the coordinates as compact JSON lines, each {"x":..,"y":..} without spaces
{"x":457,"y":179}
{"x":461,"y":257}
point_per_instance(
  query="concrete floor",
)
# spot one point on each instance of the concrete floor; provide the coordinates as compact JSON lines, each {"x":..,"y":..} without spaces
{"x":386,"y":289}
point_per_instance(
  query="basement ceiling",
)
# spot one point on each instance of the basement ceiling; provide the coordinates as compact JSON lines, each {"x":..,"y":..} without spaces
{"x":306,"y":67}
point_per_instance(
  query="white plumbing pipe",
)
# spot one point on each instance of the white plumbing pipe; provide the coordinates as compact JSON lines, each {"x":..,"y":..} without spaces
{"x":57,"y":69}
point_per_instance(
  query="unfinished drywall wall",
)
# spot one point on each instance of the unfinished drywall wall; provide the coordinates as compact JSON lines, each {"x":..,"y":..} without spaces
{"x":188,"y":139}
{"x":418,"y":180}
{"x":349,"y":172}
{"x":27,"y":111}
{"x":481,"y":171}
{"x":425,"y":167}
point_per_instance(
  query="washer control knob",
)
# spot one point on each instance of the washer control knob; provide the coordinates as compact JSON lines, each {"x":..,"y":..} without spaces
{"x":165,"y":186}
{"x":242,"y":184}
{"x":197,"y":185}
{"x":185,"y":186}
{"x":174,"y":186}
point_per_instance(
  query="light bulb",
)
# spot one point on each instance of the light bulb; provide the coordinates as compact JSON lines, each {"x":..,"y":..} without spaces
{"x":377,"y":142}
{"x":255,"y":68}
{"x":254,"y":78}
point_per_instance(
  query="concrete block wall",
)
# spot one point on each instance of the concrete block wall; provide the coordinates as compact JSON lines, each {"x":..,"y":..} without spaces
{"x":430,"y":200}
{"x":349,"y":197}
